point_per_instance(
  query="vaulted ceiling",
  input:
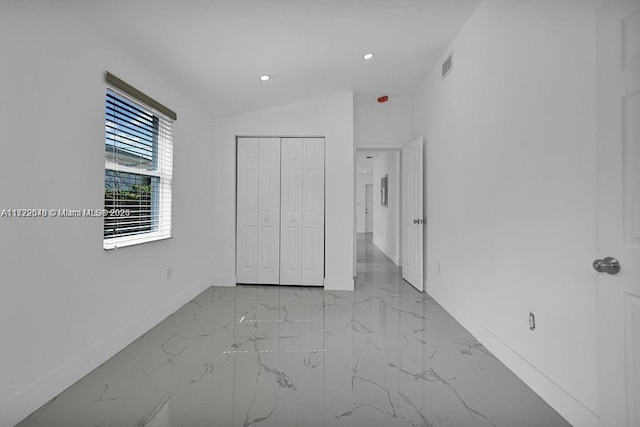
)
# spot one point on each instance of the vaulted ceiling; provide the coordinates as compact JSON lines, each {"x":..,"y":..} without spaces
{"x":218,"y":49}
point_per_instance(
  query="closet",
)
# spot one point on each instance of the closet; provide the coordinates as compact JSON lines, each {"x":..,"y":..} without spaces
{"x":280,"y":211}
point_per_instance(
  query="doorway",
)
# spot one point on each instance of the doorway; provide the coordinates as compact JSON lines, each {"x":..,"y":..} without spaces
{"x":368,"y":209}
{"x":395,"y":217}
{"x":378,"y":189}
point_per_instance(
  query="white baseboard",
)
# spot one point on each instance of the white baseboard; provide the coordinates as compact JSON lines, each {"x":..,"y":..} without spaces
{"x":339,"y":283}
{"x":223,"y":281}
{"x":558,"y":398}
{"x":36,"y":394}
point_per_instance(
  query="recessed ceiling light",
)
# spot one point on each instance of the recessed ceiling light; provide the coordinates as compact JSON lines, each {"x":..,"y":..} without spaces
{"x":265,"y":77}
{"x":368,"y":56}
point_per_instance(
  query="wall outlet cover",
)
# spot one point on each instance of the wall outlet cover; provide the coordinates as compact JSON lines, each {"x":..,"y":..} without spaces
{"x":532,"y":321}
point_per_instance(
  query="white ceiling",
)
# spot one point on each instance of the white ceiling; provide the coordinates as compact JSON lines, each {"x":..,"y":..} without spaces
{"x":217,"y":49}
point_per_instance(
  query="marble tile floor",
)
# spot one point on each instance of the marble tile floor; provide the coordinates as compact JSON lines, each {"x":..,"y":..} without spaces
{"x":384,"y":355}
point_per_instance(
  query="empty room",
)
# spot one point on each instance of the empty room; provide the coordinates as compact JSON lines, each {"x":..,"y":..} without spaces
{"x":320,"y":213}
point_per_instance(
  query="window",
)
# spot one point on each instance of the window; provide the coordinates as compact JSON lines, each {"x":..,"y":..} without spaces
{"x":138,"y":167}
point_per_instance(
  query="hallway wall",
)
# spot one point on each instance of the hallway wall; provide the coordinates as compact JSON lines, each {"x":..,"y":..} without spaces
{"x":386,"y":220}
{"x":510,"y":190}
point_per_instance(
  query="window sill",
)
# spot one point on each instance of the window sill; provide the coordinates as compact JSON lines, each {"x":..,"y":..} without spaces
{"x":123,"y":242}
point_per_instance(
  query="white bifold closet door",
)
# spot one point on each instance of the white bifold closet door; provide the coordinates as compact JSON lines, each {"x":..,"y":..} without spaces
{"x":280,"y":211}
{"x":302,"y":214}
{"x":291,"y":213}
{"x":258,"y":211}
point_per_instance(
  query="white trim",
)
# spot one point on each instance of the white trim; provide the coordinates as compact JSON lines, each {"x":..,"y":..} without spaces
{"x":339,"y":283}
{"x":557,"y":397}
{"x":135,"y":239}
{"x":380,"y":147}
{"x":39,"y":392}
{"x":128,"y":169}
{"x":223,"y":281}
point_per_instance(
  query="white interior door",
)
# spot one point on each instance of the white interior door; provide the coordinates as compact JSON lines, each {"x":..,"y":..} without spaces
{"x":269,"y":211}
{"x":313,"y":211}
{"x":412,"y":213}
{"x":618,"y":92}
{"x":368,"y":209}
{"x":247,"y":211}
{"x":291,"y":212}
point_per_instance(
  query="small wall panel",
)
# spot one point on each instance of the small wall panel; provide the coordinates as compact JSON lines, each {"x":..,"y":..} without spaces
{"x":291,"y":205}
{"x":313,"y":208}
{"x":631,"y":158}
{"x":632,"y":326}
{"x":269,"y":211}
{"x":247,"y":211}
{"x":631,"y":41}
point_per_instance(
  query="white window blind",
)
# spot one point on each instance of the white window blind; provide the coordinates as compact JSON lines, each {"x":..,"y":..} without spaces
{"x":138,"y":171}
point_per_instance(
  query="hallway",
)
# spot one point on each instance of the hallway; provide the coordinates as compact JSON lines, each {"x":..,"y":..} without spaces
{"x":384,"y":355}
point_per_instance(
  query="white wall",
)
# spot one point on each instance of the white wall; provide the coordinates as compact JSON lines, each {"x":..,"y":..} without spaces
{"x":386,"y":220}
{"x":510,"y":190}
{"x":362,"y":180}
{"x":386,"y":125}
{"x":331,"y":117}
{"x":66,"y":305}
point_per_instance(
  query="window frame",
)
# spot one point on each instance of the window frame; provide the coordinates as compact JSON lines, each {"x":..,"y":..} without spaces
{"x":161,"y":208}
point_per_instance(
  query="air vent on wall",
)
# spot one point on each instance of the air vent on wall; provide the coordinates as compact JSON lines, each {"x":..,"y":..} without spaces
{"x":447,"y":65}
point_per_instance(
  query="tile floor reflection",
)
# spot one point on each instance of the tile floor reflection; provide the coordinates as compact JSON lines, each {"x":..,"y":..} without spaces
{"x":384,"y":355}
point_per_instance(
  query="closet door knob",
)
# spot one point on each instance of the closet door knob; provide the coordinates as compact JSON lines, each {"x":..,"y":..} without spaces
{"x":293,"y":220}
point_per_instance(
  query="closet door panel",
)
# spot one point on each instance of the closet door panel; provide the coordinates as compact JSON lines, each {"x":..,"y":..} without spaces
{"x":313,"y":211}
{"x":247,"y":211}
{"x":291,"y":212}
{"x":269,"y":211}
